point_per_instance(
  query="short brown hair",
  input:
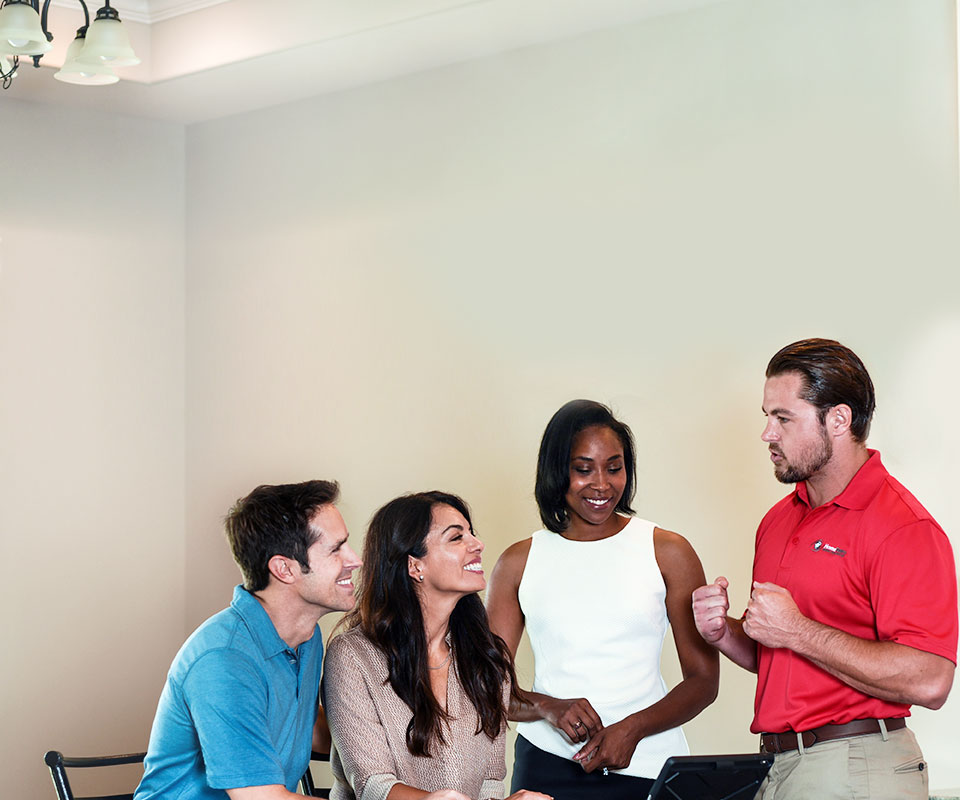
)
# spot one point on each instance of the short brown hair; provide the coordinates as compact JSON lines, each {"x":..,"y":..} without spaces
{"x":275,"y":521}
{"x":832,"y":374}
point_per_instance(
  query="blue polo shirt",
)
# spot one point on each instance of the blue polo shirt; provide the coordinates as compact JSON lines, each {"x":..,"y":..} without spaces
{"x":238,"y":708}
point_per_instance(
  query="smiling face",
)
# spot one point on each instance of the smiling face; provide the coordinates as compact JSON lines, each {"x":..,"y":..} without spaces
{"x":452,"y":561}
{"x":798,"y":441}
{"x":598,"y":478}
{"x":329,"y":583}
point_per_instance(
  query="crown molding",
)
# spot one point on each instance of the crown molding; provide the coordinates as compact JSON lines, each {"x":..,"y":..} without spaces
{"x":146,"y":11}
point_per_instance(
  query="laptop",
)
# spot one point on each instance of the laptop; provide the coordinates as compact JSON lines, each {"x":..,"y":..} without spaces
{"x":723,"y":777}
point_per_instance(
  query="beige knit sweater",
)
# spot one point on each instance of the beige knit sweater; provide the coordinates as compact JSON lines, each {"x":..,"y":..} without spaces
{"x":368,"y":722}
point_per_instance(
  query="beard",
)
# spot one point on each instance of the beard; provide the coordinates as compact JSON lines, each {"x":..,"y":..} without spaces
{"x":808,"y":461}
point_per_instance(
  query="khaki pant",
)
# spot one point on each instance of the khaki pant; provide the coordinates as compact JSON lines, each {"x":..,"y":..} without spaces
{"x":858,"y":768}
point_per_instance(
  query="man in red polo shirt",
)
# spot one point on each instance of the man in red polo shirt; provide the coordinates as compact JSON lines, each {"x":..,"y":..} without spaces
{"x":853,"y":614}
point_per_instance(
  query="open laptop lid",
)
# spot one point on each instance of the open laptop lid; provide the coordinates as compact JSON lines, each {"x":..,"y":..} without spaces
{"x":723,"y":777}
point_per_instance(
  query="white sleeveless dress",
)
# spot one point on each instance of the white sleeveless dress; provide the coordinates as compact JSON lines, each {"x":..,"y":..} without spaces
{"x":596,"y":619}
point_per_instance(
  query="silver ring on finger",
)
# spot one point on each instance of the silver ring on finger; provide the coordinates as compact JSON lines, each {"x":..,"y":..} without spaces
{"x":577,"y":725}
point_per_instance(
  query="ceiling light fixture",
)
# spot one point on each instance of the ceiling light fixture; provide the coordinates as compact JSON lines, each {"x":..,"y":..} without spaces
{"x":97,"y":48}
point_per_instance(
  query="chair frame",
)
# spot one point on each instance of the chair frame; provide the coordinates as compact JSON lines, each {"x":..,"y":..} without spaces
{"x":59,"y":763}
{"x":307,"y":785}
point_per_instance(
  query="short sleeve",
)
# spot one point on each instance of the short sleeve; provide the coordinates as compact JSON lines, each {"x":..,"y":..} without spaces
{"x":227,"y":696}
{"x":914,"y":585}
{"x":358,"y":734}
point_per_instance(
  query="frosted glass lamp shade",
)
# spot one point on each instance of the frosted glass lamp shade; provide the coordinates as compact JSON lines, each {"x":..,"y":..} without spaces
{"x":75,"y":71}
{"x":20,"y":32}
{"x":107,"y":43}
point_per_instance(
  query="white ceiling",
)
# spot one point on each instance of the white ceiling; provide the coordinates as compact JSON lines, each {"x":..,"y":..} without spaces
{"x":145,"y":10}
{"x":204,"y":59}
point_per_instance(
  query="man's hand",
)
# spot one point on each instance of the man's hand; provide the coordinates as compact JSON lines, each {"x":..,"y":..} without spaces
{"x":887,"y":670}
{"x":710,"y":609}
{"x":772,"y":617}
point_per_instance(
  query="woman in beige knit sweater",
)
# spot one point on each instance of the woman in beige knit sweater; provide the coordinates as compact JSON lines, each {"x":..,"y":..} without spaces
{"x":416,"y":688}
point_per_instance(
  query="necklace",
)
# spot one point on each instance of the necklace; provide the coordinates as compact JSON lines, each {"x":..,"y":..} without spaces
{"x":443,"y":663}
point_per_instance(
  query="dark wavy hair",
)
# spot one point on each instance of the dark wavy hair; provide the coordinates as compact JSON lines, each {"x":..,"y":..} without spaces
{"x":553,"y":462}
{"x":275,"y":521}
{"x":832,"y":375}
{"x":388,"y":612}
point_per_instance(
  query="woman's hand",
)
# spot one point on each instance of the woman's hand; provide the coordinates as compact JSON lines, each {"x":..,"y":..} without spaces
{"x":445,"y":794}
{"x":402,"y":791}
{"x":576,"y":718}
{"x":523,"y":794}
{"x":612,"y":747}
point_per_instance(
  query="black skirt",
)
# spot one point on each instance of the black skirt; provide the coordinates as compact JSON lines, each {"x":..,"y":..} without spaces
{"x":563,"y":779}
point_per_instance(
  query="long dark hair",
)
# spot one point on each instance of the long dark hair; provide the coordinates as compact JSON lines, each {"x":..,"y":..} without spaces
{"x":553,"y":461}
{"x":388,"y":613}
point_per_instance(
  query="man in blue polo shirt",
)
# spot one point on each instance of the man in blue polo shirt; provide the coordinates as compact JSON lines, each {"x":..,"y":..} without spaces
{"x":240,"y":711}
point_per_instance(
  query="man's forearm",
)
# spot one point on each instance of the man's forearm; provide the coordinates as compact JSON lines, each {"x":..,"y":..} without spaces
{"x":886,"y":670}
{"x":737,"y":646}
{"x":271,"y":792}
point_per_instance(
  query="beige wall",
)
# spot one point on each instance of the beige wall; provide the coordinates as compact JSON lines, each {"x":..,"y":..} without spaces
{"x":91,"y":432}
{"x":397,"y":285}
{"x":401,"y":283}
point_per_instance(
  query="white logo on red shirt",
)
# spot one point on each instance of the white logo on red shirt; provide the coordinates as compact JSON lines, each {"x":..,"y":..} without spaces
{"x":829,"y":548}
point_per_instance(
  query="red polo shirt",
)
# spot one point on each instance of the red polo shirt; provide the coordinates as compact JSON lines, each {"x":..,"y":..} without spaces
{"x":871,"y":562}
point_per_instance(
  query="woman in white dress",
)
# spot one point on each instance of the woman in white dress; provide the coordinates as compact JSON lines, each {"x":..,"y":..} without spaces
{"x":596,"y":589}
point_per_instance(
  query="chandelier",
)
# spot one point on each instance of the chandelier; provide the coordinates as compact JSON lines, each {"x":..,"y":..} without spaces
{"x":98,"y":47}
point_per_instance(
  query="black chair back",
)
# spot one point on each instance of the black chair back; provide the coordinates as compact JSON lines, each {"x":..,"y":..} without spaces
{"x":59,"y":764}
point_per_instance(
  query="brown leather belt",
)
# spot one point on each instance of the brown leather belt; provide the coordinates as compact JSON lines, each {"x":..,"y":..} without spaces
{"x":785,"y":742}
